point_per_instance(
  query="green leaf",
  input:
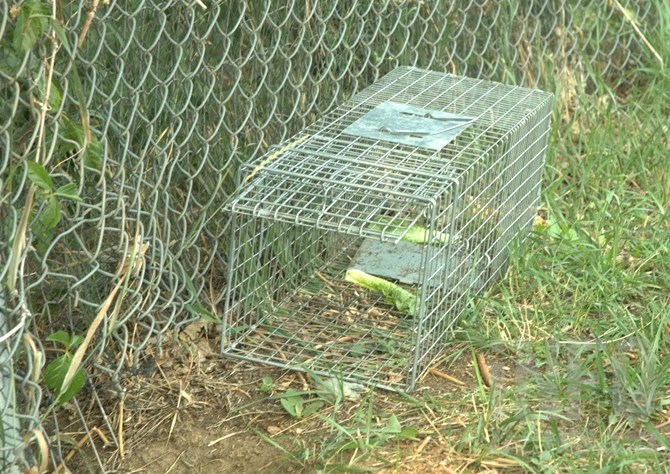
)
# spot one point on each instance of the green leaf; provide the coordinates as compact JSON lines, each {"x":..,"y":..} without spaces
{"x":408,"y":433}
{"x":61,"y":337}
{"x":394,"y":294}
{"x":196,"y":308}
{"x":660,"y":438}
{"x":31,"y":24}
{"x":55,"y":95}
{"x":9,"y":65}
{"x":360,"y":348}
{"x":312,"y":408}
{"x":91,"y":153}
{"x":75,"y":340}
{"x":295,"y":404}
{"x":290,"y":406}
{"x":562,"y":232}
{"x":75,"y":387}
{"x":64,"y":338}
{"x":266,"y":385}
{"x":48,"y":218}
{"x":39,"y":176}
{"x":394,"y":227}
{"x":394,"y":428}
{"x":55,"y":375}
{"x":190,"y":286}
{"x":51,"y":214}
{"x":555,"y":231}
{"x":60,"y":34}
{"x":68,"y":191}
{"x":92,"y":148}
{"x":292,"y":403}
{"x":393,"y":425}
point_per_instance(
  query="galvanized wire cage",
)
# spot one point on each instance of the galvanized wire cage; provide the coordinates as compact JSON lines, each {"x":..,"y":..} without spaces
{"x":418,"y":184}
{"x":152,"y":108}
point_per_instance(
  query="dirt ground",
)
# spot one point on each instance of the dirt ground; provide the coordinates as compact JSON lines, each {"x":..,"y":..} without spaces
{"x":205,"y":433}
{"x":193,"y":411}
{"x":197,"y":412}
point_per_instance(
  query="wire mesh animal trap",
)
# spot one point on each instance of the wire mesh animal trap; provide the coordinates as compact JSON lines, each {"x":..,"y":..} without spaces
{"x":357,"y":242}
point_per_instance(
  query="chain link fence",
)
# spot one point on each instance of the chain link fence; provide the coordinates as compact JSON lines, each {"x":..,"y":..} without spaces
{"x":122,"y":125}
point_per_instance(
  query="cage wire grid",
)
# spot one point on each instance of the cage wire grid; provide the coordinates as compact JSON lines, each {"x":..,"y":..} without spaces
{"x":155,"y":105}
{"x":334,"y":189}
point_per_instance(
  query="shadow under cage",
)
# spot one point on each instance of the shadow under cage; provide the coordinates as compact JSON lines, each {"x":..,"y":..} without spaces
{"x":357,"y":243}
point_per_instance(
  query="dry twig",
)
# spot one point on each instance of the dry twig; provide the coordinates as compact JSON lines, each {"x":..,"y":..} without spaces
{"x":484,"y":370}
{"x":87,"y":23}
{"x":439,"y":373}
{"x":631,"y":21}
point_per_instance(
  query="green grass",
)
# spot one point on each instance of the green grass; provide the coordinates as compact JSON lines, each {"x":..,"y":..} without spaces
{"x":584,"y":314}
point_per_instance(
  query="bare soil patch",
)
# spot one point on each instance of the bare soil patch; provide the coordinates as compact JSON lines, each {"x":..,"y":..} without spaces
{"x":197,"y":412}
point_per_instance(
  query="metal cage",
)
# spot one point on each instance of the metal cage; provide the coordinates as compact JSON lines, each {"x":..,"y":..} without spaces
{"x":422,"y":180}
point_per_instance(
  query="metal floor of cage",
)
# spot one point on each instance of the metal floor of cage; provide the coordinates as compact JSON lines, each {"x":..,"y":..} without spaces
{"x":328,"y":323}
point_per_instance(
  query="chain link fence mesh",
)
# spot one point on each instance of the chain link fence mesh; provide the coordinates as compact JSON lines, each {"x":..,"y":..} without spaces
{"x":122,"y":124}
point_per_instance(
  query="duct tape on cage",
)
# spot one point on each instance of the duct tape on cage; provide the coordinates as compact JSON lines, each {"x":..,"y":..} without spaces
{"x":409,"y":125}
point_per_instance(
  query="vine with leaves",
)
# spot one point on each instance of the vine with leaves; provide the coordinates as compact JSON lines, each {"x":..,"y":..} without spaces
{"x":49,"y":149}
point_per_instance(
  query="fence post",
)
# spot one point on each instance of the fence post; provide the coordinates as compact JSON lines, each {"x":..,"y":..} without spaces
{"x":10,"y":434}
